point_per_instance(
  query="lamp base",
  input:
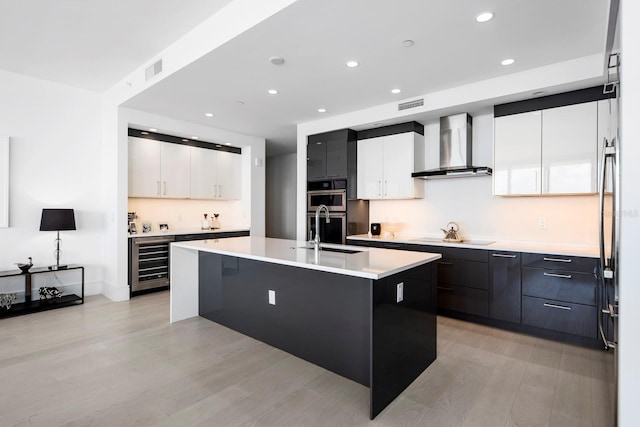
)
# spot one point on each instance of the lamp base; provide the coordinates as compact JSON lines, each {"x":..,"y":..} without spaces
{"x":58,"y":267}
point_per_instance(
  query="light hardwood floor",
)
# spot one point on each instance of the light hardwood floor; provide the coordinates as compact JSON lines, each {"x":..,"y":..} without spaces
{"x":123,"y":364}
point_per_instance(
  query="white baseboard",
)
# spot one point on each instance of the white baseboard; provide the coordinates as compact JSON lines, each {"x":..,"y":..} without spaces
{"x":115,"y":293}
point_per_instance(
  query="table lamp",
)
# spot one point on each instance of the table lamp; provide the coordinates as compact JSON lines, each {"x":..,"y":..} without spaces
{"x":57,"y":220}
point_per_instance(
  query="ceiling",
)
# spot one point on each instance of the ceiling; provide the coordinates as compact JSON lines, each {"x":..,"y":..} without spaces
{"x":93,"y":44}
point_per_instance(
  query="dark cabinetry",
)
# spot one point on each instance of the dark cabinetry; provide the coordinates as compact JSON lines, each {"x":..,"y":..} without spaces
{"x":504,"y":286}
{"x":559,"y":293}
{"x":327,"y":154}
{"x":463,"y":280}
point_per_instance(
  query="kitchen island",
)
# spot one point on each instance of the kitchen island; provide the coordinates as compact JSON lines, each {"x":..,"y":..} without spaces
{"x":367,"y":314}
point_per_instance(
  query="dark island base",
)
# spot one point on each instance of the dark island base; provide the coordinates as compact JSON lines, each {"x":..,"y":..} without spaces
{"x":349,"y":325}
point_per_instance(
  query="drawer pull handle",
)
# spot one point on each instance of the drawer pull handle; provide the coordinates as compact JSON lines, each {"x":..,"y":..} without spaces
{"x":442,"y":288}
{"x":557,"y":259}
{"x":561,"y":307}
{"x":503,"y":256}
{"x":445,"y":263}
{"x":561,"y":276}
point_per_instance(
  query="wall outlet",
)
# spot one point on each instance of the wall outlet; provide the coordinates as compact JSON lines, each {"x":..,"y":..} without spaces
{"x":400,"y":292}
{"x":272,"y":297}
{"x":542,"y":224}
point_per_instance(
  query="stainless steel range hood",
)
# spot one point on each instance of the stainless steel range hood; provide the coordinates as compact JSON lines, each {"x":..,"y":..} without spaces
{"x":455,"y":150}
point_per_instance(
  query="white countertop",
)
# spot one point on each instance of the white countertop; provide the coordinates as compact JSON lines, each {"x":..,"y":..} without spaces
{"x":189,"y":231}
{"x":532,"y":247}
{"x":370,"y":263}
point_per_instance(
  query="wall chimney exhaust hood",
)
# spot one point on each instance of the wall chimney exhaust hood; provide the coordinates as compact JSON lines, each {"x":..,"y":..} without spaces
{"x":455,"y":150}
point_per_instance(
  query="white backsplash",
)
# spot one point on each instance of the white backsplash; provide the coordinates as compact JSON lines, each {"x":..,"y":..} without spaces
{"x":188,"y":214}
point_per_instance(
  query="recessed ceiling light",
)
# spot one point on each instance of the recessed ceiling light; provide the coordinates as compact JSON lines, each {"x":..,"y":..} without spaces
{"x":395,"y":91}
{"x":352,"y":64}
{"x":153,"y":129}
{"x":407,"y":43}
{"x":218,"y":145}
{"x":240,"y":102}
{"x":484,"y":17}
{"x":272,"y":92}
{"x":194,"y":137}
{"x":145,"y":133}
{"x":276,"y":60}
{"x":508,"y":61}
{"x":208,"y":114}
{"x":322,"y":110}
{"x":185,"y":140}
{"x":227,"y":143}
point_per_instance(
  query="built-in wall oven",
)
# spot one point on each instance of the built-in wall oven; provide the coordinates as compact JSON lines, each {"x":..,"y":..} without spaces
{"x":333,"y":194}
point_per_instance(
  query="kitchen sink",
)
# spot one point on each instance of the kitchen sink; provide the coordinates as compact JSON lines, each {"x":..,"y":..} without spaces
{"x":332,"y":249}
{"x":478,"y":242}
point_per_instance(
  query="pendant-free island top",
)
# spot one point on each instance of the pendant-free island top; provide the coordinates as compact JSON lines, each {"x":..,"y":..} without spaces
{"x":367,"y":314}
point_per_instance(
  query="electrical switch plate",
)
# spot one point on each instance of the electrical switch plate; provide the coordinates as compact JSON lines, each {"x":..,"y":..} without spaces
{"x":542,"y":224}
{"x":272,"y":297}
{"x":400,"y":292}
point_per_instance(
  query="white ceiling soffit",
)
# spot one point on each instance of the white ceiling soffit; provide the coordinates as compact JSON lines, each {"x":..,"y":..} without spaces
{"x":317,"y":38}
{"x":92,"y":44}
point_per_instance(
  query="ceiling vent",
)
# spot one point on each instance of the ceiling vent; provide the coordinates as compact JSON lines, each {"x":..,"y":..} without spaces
{"x":153,"y":70}
{"x":411,"y":104}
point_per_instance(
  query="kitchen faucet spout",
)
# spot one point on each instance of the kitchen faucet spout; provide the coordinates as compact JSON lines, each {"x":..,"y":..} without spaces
{"x":316,"y":240}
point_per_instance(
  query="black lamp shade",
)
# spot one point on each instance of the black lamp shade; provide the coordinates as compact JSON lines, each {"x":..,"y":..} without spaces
{"x":57,"y":219}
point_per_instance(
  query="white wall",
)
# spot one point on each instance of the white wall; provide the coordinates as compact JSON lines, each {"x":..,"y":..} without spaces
{"x":629,"y":348}
{"x":468,"y":201}
{"x":54,"y":162}
{"x":281,"y":196}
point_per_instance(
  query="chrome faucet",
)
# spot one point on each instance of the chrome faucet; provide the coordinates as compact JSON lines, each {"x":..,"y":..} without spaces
{"x":316,"y":240}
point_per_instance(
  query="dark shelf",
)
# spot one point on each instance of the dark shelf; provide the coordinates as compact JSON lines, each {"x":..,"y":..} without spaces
{"x":40,"y":305}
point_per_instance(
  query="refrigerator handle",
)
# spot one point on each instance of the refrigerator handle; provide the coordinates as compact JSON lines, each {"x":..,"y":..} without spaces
{"x":603,"y":264}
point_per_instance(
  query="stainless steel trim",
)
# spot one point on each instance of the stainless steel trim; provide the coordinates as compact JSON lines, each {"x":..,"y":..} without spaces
{"x":561,"y":307}
{"x":561,"y":276}
{"x":144,"y":241}
{"x":557,"y":259}
{"x":504,"y":256}
{"x":342,"y":207}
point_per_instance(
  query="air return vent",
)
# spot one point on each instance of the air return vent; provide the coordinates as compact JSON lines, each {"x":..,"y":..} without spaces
{"x":411,"y":104}
{"x":153,"y":70}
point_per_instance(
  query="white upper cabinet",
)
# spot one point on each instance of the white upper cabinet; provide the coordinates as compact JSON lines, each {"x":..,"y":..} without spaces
{"x":569,"y":149}
{"x":553,"y":151}
{"x":517,"y":154}
{"x":385,"y":165}
{"x":215,"y":174}
{"x":174,"y":170}
{"x":166,"y":170}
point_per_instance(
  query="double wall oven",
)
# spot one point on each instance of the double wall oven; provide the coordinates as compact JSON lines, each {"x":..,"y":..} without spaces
{"x":333,"y":194}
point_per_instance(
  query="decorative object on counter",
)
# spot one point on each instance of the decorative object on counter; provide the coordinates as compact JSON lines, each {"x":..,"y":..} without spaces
{"x":205,"y":225}
{"x":49,"y":292}
{"x":164,"y":227}
{"x":57,"y":220}
{"x":7,"y":299}
{"x":375,"y":228}
{"x":452,"y":235}
{"x":216,"y":222}
{"x":131,"y":220}
{"x":146,"y":227}
{"x":25,"y":267}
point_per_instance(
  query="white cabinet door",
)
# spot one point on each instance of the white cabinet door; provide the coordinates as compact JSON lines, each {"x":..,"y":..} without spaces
{"x":204,"y":184}
{"x":175,"y":164}
{"x":569,"y":149}
{"x":398,"y":164}
{"x":144,"y":168}
{"x":229,"y":168}
{"x":370,"y":176}
{"x":517,"y":154}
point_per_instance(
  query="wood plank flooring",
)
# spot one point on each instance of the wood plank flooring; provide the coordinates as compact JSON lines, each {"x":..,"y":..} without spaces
{"x":123,"y":364}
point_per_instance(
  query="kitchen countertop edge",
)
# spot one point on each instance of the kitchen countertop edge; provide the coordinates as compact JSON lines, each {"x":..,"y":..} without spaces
{"x":189,"y":231}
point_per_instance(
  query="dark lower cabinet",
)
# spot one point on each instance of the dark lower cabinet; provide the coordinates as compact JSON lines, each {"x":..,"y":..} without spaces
{"x":463,"y":299}
{"x":505,"y":288}
{"x":560,"y":316}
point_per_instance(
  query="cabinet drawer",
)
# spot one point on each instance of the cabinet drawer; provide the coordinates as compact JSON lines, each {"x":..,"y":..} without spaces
{"x":463,"y":273}
{"x":576,"y":319}
{"x":464,"y":300}
{"x":579,"y":288}
{"x":560,"y":262}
